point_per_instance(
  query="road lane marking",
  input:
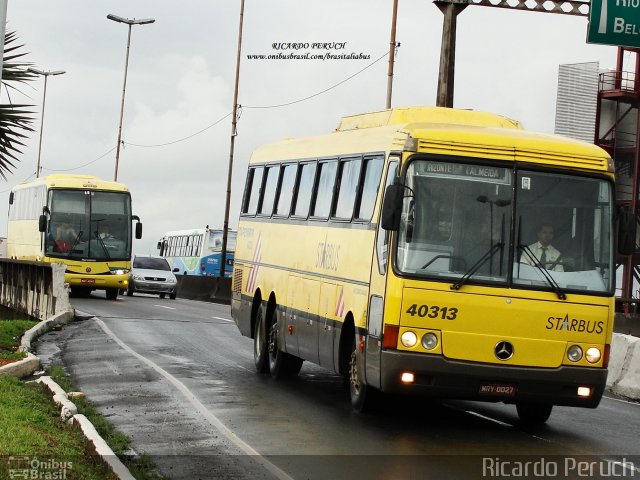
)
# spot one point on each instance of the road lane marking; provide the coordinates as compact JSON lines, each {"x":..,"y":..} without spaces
{"x":215,"y":421}
{"x":622,"y":400}
{"x":223,"y":319}
{"x":504,"y":424}
{"x":164,"y":306}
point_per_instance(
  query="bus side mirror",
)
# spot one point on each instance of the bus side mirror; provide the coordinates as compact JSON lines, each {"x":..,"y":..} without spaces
{"x":626,"y":232}
{"x":138,"y":230}
{"x":11,"y":198}
{"x":392,"y":207}
{"x":42,"y":223}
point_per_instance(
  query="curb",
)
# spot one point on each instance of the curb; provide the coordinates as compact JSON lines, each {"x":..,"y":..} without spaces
{"x":69,"y":413}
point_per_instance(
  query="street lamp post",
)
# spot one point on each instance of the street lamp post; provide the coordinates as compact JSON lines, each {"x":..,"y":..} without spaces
{"x":130,"y":23}
{"x":44,"y":97}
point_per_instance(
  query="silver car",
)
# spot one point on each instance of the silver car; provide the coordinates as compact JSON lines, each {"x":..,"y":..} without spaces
{"x":152,"y":275}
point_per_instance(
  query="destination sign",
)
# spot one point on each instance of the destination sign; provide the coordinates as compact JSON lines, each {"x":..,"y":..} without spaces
{"x":459,"y":171}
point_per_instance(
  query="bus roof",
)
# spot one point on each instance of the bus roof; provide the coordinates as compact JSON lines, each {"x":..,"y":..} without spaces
{"x":75,"y":182}
{"x":438,"y":130}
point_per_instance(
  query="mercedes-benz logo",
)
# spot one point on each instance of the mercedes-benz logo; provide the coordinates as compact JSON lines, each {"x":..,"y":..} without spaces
{"x":504,"y":350}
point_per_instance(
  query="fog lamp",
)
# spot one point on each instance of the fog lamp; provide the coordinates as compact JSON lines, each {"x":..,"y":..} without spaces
{"x":574,"y":353}
{"x":407,"y":377}
{"x":584,"y":391}
{"x":409,"y":339}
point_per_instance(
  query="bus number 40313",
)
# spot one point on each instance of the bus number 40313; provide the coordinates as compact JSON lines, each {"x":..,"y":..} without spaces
{"x":446,"y":313}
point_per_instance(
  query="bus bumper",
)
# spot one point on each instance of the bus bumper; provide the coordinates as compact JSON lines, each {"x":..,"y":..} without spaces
{"x":436,"y":376}
{"x":97,"y":282}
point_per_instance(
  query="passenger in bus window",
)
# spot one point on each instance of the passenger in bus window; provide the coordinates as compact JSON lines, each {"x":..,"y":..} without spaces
{"x":548,"y":256}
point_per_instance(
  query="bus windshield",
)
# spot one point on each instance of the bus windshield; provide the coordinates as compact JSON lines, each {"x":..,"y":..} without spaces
{"x":89,"y":225}
{"x":476,"y":223}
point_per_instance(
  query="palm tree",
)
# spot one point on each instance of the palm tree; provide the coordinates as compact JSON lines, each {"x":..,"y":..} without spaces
{"x":15,"y":119}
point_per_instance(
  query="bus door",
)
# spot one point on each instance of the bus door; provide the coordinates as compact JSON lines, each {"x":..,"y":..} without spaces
{"x":377,"y":286}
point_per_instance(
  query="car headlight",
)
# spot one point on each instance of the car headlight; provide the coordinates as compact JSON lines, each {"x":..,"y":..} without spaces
{"x":137,"y":277}
{"x":409,"y":339}
{"x":593,"y":355}
{"x":574,"y":353}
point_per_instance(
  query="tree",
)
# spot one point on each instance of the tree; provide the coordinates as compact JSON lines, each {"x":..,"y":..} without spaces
{"x":15,"y":119}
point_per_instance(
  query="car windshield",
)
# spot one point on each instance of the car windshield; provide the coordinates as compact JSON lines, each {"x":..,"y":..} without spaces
{"x":150,"y":263}
{"x":478,"y":223}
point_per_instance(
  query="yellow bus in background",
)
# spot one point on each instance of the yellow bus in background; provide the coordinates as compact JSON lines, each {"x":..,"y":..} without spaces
{"x":399,"y":252}
{"x":81,"y":221}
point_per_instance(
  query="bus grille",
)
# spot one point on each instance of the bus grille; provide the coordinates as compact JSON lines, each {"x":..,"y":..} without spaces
{"x":237,"y":280}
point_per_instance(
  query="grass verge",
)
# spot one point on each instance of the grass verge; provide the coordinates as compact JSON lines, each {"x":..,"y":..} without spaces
{"x":36,"y":443}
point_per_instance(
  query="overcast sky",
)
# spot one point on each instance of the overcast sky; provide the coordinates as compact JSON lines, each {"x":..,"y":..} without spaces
{"x":182,"y":70}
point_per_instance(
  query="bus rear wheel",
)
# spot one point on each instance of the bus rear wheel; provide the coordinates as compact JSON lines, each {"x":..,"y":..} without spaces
{"x":364,"y":398}
{"x":260,"y":354}
{"x":533,"y":413}
{"x":281,"y":364}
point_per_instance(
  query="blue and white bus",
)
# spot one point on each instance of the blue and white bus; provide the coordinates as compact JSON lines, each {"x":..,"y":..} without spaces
{"x":198,"y":251}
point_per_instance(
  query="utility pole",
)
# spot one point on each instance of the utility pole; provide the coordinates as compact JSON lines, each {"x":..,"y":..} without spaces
{"x":392,"y":50}
{"x":446,"y":75}
{"x":234,"y":132}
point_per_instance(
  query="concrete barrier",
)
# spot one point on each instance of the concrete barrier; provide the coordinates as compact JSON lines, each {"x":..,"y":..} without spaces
{"x":624,"y":366}
{"x":205,"y":289}
{"x":36,"y":289}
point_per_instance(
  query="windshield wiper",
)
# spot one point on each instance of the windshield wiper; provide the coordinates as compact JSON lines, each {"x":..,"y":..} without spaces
{"x":476,"y":266}
{"x":75,"y":242}
{"x":545,"y":273}
{"x":104,"y":247}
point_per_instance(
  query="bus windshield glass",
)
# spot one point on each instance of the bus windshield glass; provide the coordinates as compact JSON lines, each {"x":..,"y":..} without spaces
{"x":89,"y":225}
{"x":471,"y":223}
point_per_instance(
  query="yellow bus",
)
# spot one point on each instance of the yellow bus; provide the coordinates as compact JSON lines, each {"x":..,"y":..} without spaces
{"x":79,"y":220}
{"x":401,"y":251}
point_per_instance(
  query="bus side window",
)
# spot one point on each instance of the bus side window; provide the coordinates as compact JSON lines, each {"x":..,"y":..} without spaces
{"x":285,"y":189}
{"x":347,"y":183}
{"x":252,"y":191}
{"x":325,"y":188}
{"x":269,"y":194}
{"x":382,"y":242}
{"x":369,"y":188}
{"x":304,"y":190}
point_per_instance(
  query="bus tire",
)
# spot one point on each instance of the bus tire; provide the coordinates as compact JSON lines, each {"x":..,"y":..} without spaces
{"x":364,"y":398}
{"x":260,"y":344}
{"x":112,"y":293}
{"x":281,"y":364}
{"x":533,"y":413}
{"x":129,"y":292}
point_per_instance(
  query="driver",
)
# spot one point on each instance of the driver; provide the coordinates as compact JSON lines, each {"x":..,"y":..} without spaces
{"x":545,"y":253}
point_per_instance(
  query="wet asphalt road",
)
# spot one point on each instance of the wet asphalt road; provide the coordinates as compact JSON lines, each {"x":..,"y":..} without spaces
{"x":178,"y":378}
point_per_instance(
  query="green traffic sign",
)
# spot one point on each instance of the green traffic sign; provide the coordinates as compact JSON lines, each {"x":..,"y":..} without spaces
{"x":614,"y":22}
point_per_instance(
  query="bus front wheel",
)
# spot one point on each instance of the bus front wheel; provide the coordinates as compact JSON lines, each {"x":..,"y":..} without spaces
{"x":260,"y":354}
{"x":281,"y":364}
{"x":364,"y":398}
{"x":112,"y":293}
{"x":533,"y":413}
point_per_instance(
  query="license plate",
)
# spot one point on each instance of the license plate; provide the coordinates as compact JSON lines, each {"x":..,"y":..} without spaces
{"x":497,"y":389}
{"x":87,"y":280}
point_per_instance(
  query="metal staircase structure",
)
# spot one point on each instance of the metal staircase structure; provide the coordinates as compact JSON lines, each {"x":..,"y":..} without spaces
{"x":618,"y":132}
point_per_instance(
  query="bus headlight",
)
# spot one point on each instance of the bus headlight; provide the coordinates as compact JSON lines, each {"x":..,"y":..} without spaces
{"x":119,"y":271}
{"x":574,"y":353}
{"x":409,"y":339}
{"x":593,"y":355}
{"x":429,"y":341}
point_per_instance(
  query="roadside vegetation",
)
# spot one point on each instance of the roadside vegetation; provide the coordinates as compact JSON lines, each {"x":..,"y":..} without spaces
{"x":35,"y":442}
